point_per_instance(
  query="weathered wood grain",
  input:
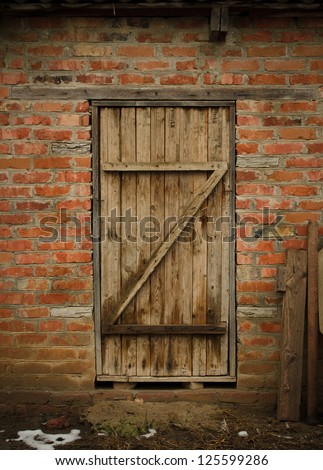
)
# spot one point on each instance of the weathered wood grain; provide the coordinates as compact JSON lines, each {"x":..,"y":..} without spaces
{"x":293,"y":318}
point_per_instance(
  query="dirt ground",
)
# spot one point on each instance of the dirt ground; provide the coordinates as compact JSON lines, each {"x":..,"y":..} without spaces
{"x":121,"y":425}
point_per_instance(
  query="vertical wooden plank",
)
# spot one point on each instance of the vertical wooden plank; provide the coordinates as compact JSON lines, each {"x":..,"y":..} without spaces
{"x":293,"y":316}
{"x":199,"y":261}
{"x":224,"y":114}
{"x":111,"y":246}
{"x":159,"y":347}
{"x":312,"y":321}
{"x":143,"y":139}
{"x":168,"y":363}
{"x":320,"y":289}
{"x":96,"y":237}
{"x":129,"y":233}
{"x":214,"y":255}
{"x":188,"y":139}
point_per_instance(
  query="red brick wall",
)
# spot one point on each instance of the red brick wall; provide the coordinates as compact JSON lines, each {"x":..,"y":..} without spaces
{"x":45,"y":174}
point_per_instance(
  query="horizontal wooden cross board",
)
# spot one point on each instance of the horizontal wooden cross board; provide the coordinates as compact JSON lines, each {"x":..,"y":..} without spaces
{"x":183,"y":166}
{"x":217,"y":329}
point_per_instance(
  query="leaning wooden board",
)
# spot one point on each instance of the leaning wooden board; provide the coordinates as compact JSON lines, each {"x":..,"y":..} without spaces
{"x":320,"y":289}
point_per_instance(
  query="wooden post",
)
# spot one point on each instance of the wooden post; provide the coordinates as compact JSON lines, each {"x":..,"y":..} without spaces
{"x":293,"y":319}
{"x":312,"y":322}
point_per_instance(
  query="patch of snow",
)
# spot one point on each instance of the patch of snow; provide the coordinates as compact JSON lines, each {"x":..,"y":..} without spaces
{"x":39,"y":440}
{"x":243,"y":434}
{"x":151,"y":433}
{"x":2,"y":430}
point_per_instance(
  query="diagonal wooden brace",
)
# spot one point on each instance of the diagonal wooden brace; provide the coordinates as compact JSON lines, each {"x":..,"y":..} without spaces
{"x":111,"y":317}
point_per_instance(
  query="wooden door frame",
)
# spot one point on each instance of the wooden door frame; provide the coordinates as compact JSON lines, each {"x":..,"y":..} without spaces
{"x":166,"y":102}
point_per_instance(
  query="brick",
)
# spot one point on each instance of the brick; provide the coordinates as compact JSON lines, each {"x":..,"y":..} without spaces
{"x":282,"y":175}
{"x":232,"y":79}
{"x":311,"y":205}
{"x":255,"y":286}
{"x":30,"y":148}
{"x":67,"y":64}
{"x":272,"y":258}
{"x":179,"y":79}
{"x":309,"y":79}
{"x":52,"y":191}
{"x":300,"y":106}
{"x":56,"y":298}
{"x":6,"y":341}
{"x":32,"y":258}
{"x":283,"y":148}
{"x":240,"y":64}
{"x":32,"y":120}
{"x":135,"y":51}
{"x":79,"y":326}
{"x":179,"y":51}
{"x":31,"y":339}
{"x":257,"y":369}
{"x":15,"y":163}
{"x":51,"y":325}
{"x":92,"y":50}
{"x":302,"y":217}
{"x":104,"y":64}
{"x":299,"y":190}
{"x":293,"y":133}
{"x":257,"y":134}
{"x":72,"y":257}
{"x":53,"y":162}
{"x":307,"y":51}
{"x":31,"y":177}
{"x":59,"y":245}
{"x":148,"y":37}
{"x":247,"y":148}
{"x":46,"y":51}
{"x":272,"y":22}
{"x":281,"y":121}
{"x":260,"y":189}
{"x":267,"y":79}
{"x":135,"y":78}
{"x":6,"y":313}
{"x":186,"y":65}
{"x":15,"y":134}
{"x":51,"y":134}
{"x":17,"y":325}
{"x":266,"y":51}
{"x":12,"y":78}
{"x":32,"y":206}
{"x":315,"y":175}
{"x":15,"y":219}
{"x":257,"y":341}
{"x":52,"y":106}
{"x":33,"y":312}
{"x":295,"y":36}
{"x":6,"y":258}
{"x":255,"y":106}
{"x":74,"y":177}
{"x":72,"y":284}
{"x":16,"y":298}
{"x":257,"y":36}
{"x":307,"y":162}
{"x":95,"y":79}
{"x":245,"y":175}
{"x":71,"y":339}
{"x":284,"y":65}
{"x":15,"y":245}
{"x":4,"y":92}
{"x":4,"y":119}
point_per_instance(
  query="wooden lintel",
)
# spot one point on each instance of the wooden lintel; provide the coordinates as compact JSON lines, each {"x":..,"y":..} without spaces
{"x":184,"y":166}
{"x":217,"y":329}
{"x":154,"y":94}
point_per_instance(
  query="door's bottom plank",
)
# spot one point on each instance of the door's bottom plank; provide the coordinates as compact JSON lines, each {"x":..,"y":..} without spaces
{"x":178,"y":379}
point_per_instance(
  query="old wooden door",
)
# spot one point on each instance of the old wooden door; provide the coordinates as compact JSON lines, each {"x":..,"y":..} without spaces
{"x":165,"y":251}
